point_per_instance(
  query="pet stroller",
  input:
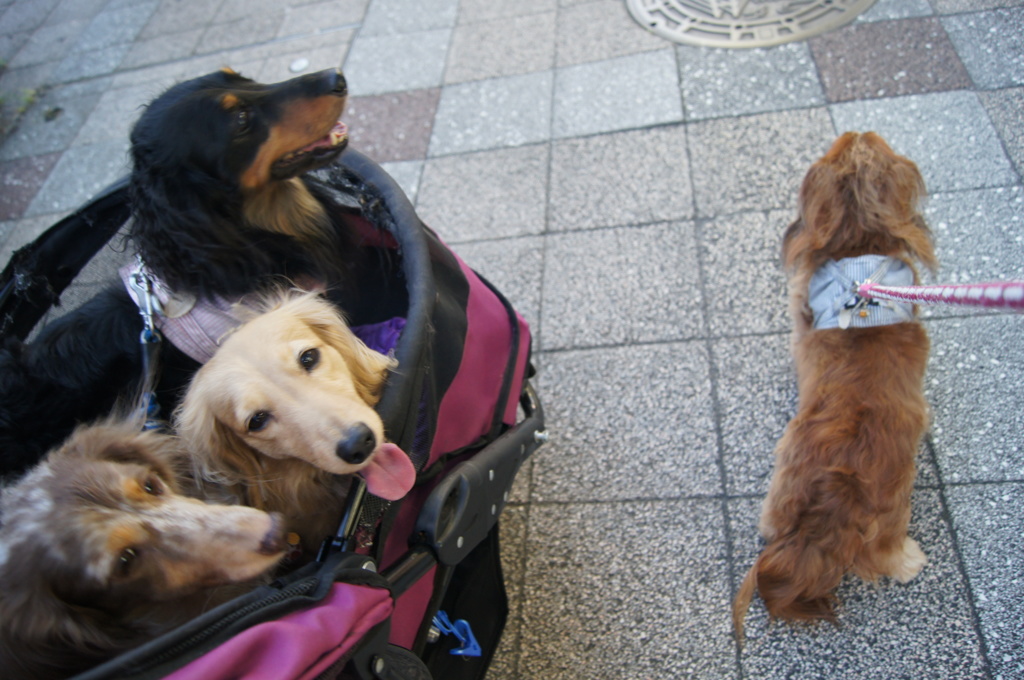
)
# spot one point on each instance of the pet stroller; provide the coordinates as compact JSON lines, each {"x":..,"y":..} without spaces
{"x":409,"y":589}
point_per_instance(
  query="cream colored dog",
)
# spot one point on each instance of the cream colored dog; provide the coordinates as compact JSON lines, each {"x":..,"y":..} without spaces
{"x":284,"y":407}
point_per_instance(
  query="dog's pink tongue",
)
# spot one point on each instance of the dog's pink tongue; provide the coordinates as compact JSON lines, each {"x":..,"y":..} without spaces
{"x":389,"y":474}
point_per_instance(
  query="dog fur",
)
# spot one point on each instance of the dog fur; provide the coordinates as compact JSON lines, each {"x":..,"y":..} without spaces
{"x":220,"y":207}
{"x":839,"y":498}
{"x":100,"y":551}
{"x":283,"y":408}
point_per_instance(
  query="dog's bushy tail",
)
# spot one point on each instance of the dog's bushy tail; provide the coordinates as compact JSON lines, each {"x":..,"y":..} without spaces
{"x":800,"y":568}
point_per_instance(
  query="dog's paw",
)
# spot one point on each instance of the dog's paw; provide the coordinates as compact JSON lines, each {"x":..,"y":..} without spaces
{"x":909,"y":562}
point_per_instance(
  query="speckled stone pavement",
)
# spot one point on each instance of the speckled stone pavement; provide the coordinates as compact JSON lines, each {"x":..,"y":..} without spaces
{"x":628,"y":195}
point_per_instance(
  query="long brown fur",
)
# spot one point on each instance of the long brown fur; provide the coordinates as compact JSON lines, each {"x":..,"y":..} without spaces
{"x":290,"y":467}
{"x":100,"y":551}
{"x":839,"y":499}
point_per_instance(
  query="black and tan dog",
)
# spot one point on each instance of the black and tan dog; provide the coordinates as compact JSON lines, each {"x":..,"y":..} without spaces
{"x":220,"y":208}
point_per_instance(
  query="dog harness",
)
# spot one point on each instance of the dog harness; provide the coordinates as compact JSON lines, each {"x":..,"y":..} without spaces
{"x":195,"y":327}
{"x":832,"y":293}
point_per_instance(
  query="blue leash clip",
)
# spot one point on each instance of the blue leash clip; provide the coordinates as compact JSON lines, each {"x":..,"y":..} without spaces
{"x":462,"y":632}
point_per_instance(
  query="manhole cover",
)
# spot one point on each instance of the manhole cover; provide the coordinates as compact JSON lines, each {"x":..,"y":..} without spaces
{"x":743,"y":23}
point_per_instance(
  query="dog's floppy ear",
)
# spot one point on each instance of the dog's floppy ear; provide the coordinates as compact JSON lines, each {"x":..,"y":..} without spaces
{"x":122,"y":440}
{"x":218,"y":454}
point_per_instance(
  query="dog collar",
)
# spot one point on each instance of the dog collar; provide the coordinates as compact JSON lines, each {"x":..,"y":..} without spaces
{"x":832,"y":293}
{"x":196,"y":327}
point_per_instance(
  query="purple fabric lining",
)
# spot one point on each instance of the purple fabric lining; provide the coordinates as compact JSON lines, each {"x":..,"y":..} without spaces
{"x":383,"y":336}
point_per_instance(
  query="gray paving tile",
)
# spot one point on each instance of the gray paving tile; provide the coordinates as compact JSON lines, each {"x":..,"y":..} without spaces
{"x":162,"y":76}
{"x":923,"y":629}
{"x":515,"y":267}
{"x":334,"y":42}
{"x":494,"y":113}
{"x":626,"y":423}
{"x":10,"y":44}
{"x":486,"y":195}
{"x":513,"y":523}
{"x":49,"y":43}
{"x":162,"y":48}
{"x":252,"y":28}
{"x":391,"y":17}
{"x":622,"y":285}
{"x":5,"y":232}
{"x":598,"y":30}
{"x":588,"y":97}
{"x":979,"y":236}
{"x":596,"y":609}
{"x":81,"y":173}
{"x":990,"y":531}
{"x":279,"y":67}
{"x":755,"y":163}
{"x":74,"y":10}
{"x":501,"y":47}
{"x":744,"y":284}
{"x":115,"y":114}
{"x":179,"y":16}
{"x":750,"y":427}
{"x":54,"y":120}
{"x":92,"y":64}
{"x":771,"y":79}
{"x":471,"y":11}
{"x":230,"y":11}
{"x":1006,"y":107}
{"x":977,"y":405}
{"x":947,"y":134}
{"x":896,"y":9}
{"x":886,"y":59}
{"x":25,"y":15}
{"x":991,"y":45}
{"x":622,"y":178}
{"x":392,"y":63}
{"x":115,"y":27}
{"x":407,"y":174}
{"x":958,"y":6}
{"x":320,"y":16}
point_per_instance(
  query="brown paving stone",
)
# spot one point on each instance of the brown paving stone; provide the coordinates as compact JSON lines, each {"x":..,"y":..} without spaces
{"x":393,"y":127}
{"x":887,"y":59}
{"x":20,"y":180}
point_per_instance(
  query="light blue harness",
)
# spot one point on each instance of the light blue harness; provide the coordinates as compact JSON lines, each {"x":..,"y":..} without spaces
{"x":833,"y":298}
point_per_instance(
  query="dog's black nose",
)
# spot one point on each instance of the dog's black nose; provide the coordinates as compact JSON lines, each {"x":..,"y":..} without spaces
{"x":357,"y":445}
{"x":340,"y":84}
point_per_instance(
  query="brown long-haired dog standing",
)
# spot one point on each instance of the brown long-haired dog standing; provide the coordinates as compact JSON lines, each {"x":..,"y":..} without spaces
{"x":839,"y":499}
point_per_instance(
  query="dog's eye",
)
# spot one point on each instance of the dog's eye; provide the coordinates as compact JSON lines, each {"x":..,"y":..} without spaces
{"x":309,"y":359}
{"x":258,"y":421}
{"x":126,"y":560}
{"x":243,"y":120}
{"x":152,"y":486}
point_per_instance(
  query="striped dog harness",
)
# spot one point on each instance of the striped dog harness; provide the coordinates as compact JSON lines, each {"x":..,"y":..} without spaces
{"x":832,"y":294}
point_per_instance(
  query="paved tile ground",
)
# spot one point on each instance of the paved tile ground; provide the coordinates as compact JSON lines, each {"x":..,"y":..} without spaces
{"x":628,"y":195}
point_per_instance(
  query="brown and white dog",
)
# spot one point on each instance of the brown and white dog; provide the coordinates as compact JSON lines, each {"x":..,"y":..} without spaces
{"x":284,"y":410}
{"x":100,"y":551}
{"x":839,"y":499}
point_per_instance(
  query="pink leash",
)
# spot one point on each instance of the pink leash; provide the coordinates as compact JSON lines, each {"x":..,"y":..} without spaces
{"x":999,"y":294}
